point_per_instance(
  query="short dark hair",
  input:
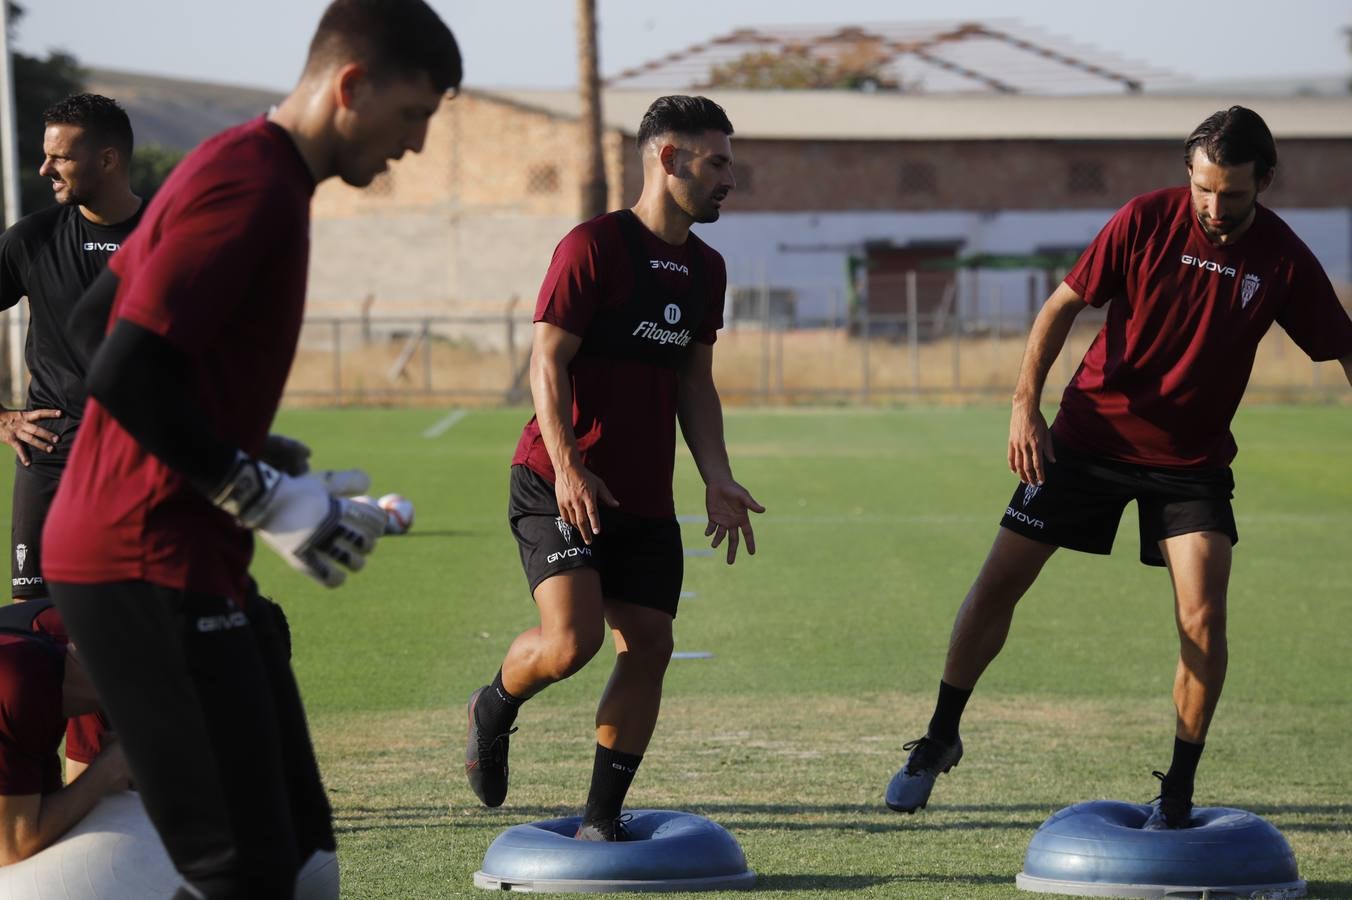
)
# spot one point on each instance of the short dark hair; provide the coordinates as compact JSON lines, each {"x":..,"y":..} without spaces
{"x":1233,"y":137}
{"x":682,"y":114}
{"x":103,"y":120}
{"x":391,"y":38}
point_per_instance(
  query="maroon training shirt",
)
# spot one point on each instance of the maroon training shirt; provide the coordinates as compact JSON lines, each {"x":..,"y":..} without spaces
{"x":218,"y":268}
{"x":84,"y":734}
{"x":1161,"y":382}
{"x":31,"y":721}
{"x":637,"y":302}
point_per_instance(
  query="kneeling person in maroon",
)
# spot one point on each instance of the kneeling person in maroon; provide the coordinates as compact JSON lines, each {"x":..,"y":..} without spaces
{"x":42,"y":686}
{"x":623,"y":349}
{"x":87,"y":734}
{"x":1195,"y":276}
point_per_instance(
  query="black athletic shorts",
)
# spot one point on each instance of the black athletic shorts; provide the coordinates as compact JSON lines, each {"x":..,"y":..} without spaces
{"x":639,"y":558}
{"x":34,"y":488}
{"x":1080,"y":504}
{"x":208,"y":712}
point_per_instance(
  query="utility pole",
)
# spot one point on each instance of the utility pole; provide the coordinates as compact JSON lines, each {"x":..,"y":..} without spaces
{"x":9,"y":172}
{"x":594,"y":199}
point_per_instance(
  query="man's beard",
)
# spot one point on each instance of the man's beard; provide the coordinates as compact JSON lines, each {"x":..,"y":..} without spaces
{"x":1228,"y":224}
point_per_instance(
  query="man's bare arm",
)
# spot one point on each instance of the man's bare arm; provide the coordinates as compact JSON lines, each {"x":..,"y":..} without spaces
{"x":577,"y":490}
{"x":1029,"y":442}
{"x":30,"y":823}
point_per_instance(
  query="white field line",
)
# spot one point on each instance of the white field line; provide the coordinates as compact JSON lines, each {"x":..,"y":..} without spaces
{"x":445,"y":424}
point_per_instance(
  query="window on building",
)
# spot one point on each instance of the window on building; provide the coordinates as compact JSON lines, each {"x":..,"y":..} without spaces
{"x":542,"y":179}
{"x":917,"y":178}
{"x":1086,"y":176}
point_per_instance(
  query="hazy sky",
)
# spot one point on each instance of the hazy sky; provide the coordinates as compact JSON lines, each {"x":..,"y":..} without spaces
{"x":530,"y":43}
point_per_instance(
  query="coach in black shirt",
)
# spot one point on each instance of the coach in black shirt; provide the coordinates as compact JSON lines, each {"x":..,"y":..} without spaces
{"x":51,"y":257}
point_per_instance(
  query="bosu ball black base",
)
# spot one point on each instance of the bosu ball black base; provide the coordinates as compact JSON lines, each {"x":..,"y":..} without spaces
{"x":1098,"y":849}
{"x":667,"y":851}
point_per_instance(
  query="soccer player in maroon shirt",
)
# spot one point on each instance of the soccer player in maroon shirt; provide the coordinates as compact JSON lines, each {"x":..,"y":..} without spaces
{"x":42,"y":684}
{"x":151,"y":533}
{"x":1196,"y":275}
{"x":623,"y":348}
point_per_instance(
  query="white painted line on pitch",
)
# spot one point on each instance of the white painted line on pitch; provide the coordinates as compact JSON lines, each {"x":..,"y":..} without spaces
{"x":699,"y":551}
{"x":688,"y":595}
{"x":446,"y":423}
{"x":692,"y":654}
{"x":693,"y":520}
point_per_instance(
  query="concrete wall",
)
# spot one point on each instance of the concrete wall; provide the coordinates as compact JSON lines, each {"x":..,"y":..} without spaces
{"x":430,"y":263}
{"x":464,"y":226}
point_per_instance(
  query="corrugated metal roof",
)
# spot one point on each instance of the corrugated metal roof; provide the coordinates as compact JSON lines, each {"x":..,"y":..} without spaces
{"x":856,"y":115}
{"x":996,"y":56}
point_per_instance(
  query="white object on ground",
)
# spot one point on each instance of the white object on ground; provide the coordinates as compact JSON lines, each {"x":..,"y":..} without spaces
{"x":399,"y":512}
{"x":115,"y":854}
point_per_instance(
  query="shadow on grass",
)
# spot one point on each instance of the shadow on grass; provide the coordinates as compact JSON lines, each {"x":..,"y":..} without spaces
{"x":842,"y":817}
{"x":1330,"y":890}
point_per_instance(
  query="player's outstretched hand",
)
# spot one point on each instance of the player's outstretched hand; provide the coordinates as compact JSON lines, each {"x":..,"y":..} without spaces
{"x":728,"y":504}
{"x":578,"y":492}
{"x":19,"y":427}
{"x":285,"y":454}
{"x":1029,"y":443}
{"x":300,"y":518}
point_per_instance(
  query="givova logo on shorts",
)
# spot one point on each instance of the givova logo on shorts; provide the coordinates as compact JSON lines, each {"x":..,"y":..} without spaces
{"x":1012,"y":513}
{"x":570,"y":553}
{"x":222,"y":622}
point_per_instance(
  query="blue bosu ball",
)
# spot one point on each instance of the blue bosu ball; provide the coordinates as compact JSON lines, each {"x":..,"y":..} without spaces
{"x":667,"y":851}
{"x":1098,"y":849}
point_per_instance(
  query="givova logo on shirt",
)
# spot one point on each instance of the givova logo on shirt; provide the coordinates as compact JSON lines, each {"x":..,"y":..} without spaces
{"x":107,"y":246}
{"x":1190,"y":260}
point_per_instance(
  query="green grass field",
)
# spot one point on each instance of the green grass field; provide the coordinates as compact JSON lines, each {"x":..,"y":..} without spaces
{"x":827,"y":648}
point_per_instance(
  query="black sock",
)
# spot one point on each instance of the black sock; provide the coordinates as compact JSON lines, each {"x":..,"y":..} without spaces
{"x":1183,"y":769}
{"x":496,"y":709}
{"x":948,"y":711}
{"x":612,"y":773}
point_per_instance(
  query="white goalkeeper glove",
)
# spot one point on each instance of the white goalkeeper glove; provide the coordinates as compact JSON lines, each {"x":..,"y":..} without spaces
{"x":305,"y":519}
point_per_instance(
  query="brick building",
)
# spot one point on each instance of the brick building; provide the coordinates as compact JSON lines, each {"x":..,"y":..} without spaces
{"x":824,"y":178}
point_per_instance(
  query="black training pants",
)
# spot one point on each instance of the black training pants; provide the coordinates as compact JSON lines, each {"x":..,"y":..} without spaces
{"x":202,"y":697}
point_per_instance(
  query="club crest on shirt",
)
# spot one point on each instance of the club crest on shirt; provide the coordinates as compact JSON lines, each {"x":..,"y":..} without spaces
{"x":21,"y":555}
{"x":1247,"y":289}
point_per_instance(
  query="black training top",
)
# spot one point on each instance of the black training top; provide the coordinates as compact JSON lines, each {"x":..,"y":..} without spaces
{"x":51,"y":257}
